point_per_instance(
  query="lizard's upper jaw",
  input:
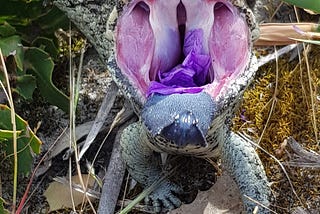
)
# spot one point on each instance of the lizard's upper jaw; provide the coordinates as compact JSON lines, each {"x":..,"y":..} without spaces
{"x":182,"y":46}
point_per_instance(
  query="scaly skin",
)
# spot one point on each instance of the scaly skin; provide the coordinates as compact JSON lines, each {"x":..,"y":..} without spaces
{"x":242,"y":162}
{"x":238,"y":157}
{"x":144,"y":166}
{"x":143,"y":141}
{"x":143,"y":163}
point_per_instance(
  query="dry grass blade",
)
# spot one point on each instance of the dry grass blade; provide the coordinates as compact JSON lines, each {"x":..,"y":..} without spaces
{"x":273,"y":99}
{"x":142,"y":195}
{"x":306,"y":50}
{"x":296,"y":113}
{"x":24,"y":199}
{"x":72,"y":142}
{"x":148,"y":191}
{"x":302,"y":157}
{"x":314,"y":42}
{"x":124,"y":115}
{"x":102,"y":114}
{"x":140,"y":208}
{"x":266,"y":59}
{"x":72,"y":117}
{"x":283,"y":33}
{"x":14,"y":129}
{"x":90,"y":192}
{"x":312,"y":97}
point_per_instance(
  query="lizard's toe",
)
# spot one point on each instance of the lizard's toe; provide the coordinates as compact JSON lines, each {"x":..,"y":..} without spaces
{"x":168,"y":204}
{"x":156,"y":206}
{"x":164,"y":197}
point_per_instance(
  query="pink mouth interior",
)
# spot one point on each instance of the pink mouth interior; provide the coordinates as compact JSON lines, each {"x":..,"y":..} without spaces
{"x":180,"y":47}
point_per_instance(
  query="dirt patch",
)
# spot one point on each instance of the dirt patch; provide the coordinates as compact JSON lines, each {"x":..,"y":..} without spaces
{"x":222,"y":198}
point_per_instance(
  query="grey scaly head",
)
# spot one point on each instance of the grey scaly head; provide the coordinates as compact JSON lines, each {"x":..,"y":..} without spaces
{"x":185,"y":64}
{"x":151,"y":38}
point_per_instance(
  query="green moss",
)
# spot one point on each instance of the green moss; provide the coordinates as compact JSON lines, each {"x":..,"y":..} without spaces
{"x":288,"y":97}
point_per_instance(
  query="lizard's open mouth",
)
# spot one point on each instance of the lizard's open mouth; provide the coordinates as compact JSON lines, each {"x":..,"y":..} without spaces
{"x":181,"y":46}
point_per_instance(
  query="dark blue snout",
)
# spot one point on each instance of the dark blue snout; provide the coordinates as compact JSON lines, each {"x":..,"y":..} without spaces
{"x":184,"y":130}
{"x":182,"y":119}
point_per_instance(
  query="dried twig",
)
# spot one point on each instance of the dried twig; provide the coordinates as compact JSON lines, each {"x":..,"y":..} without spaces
{"x":112,"y":183}
{"x":302,"y":157}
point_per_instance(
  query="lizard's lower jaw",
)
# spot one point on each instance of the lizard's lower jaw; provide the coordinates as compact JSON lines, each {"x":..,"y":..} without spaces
{"x":150,"y":39}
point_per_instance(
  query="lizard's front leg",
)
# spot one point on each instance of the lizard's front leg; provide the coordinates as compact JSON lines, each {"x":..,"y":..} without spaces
{"x":244,"y":165}
{"x":144,"y":166}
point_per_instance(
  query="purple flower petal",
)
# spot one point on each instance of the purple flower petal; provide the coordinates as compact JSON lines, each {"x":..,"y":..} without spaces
{"x":200,"y":64}
{"x":193,"y":42}
{"x":188,"y":77}
{"x":179,"y":76}
{"x":159,"y":88}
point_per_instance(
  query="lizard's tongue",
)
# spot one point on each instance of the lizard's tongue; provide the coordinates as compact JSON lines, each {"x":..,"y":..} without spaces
{"x":180,"y":46}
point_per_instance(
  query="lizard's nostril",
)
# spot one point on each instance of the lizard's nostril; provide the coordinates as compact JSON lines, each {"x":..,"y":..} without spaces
{"x":184,"y":130}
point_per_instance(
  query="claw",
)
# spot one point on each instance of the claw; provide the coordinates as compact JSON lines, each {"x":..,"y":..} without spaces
{"x":175,"y":201}
{"x":167,"y":204}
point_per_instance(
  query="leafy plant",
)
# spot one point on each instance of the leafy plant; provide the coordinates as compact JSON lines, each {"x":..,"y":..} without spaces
{"x":28,"y":143}
{"x":313,"y":5}
{"x":2,"y":209}
{"x":29,"y":46}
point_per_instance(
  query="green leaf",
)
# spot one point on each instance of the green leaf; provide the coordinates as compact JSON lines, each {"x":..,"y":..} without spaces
{"x":27,"y":142}
{"x":20,"y":12}
{"x":25,"y":85}
{"x":40,"y":64}
{"x":8,"y":134}
{"x":2,"y":209}
{"x":12,"y":46}
{"x":53,"y":20}
{"x":47,"y":45}
{"x":32,"y":16}
{"x":313,"y":5}
{"x":6,"y":30}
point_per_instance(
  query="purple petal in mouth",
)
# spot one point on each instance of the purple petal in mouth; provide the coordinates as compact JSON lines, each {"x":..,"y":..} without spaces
{"x":191,"y":75}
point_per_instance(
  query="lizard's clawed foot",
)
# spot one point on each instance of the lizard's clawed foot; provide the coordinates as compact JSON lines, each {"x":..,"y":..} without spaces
{"x":165,"y":197}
